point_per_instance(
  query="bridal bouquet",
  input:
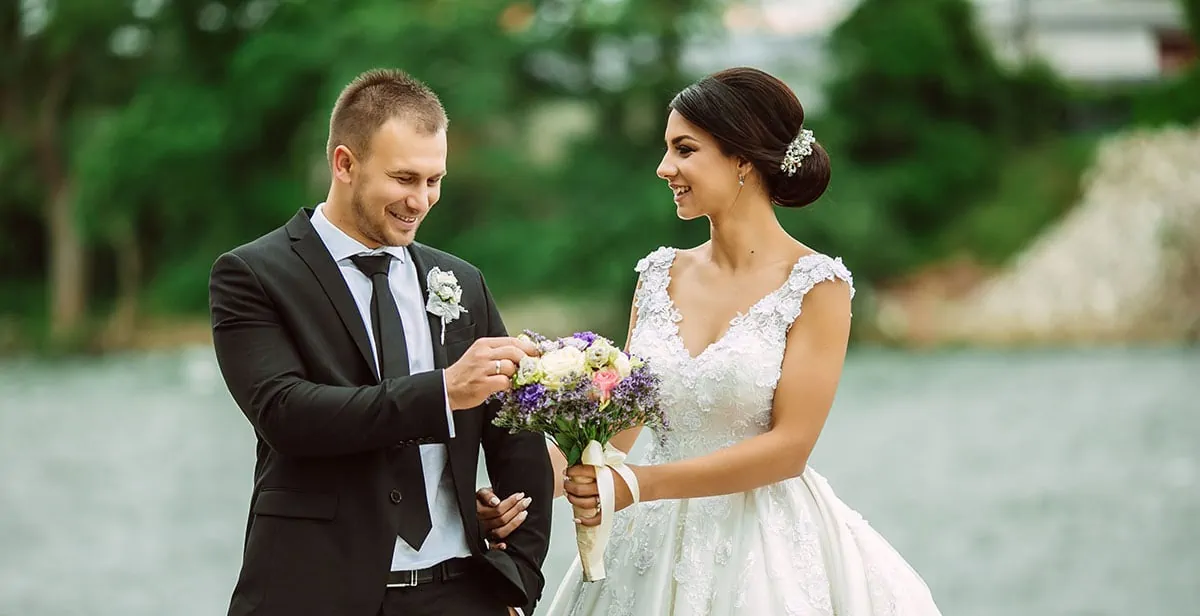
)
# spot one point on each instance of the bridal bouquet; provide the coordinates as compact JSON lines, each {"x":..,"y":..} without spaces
{"x":580,"y":393}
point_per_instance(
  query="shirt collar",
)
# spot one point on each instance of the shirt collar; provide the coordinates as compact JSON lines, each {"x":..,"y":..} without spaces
{"x":342,"y":246}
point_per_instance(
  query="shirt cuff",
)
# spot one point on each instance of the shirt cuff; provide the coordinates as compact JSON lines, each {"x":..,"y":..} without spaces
{"x":449,"y":413}
{"x":519,"y":611}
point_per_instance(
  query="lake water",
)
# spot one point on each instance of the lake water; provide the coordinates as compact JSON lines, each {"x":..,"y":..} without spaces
{"x":1031,"y":483}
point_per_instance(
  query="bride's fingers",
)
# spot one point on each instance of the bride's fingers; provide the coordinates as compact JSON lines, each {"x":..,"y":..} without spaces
{"x":486,"y":503}
{"x":513,"y":524}
{"x":592,"y":520}
{"x":513,"y":511}
{"x":580,"y":489}
{"x":581,"y":473}
{"x":495,"y":516}
{"x":584,"y":502}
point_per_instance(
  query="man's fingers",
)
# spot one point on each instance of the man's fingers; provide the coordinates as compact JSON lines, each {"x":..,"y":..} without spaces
{"x":527,"y":347}
{"x":510,"y":352}
{"x":524,"y":346}
{"x":497,"y":382}
{"x":499,"y":341}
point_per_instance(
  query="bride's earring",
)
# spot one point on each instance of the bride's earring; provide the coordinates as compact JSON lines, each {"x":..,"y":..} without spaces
{"x":741,"y":180}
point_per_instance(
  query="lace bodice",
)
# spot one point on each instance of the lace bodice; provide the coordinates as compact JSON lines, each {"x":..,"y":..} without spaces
{"x":724,"y":394}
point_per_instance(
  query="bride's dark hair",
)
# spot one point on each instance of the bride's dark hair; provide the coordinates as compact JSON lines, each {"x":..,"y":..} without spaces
{"x":756,"y":116}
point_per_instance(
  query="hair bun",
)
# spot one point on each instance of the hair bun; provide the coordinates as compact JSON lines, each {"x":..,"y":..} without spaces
{"x":806,"y":185}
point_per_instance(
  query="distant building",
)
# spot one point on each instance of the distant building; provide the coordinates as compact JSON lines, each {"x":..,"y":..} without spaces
{"x":1092,"y":41}
{"x":1085,"y":41}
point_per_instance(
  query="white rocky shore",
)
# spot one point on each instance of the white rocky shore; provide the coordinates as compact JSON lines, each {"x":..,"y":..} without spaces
{"x":1123,"y":266}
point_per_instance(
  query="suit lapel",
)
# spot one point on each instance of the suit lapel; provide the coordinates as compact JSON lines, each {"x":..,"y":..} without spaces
{"x":424,"y":260}
{"x":311,"y":249}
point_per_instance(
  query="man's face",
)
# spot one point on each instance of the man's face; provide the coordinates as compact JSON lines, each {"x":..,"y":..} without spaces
{"x":397,"y":184}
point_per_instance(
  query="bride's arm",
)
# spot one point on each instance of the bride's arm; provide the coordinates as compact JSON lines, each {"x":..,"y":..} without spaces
{"x":812,"y":367}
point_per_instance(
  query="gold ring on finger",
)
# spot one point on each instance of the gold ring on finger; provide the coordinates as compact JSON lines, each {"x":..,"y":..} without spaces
{"x":498,"y":370}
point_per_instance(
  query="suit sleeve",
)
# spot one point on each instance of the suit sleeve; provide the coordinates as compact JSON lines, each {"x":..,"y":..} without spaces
{"x":519,"y":463}
{"x":294,"y":415}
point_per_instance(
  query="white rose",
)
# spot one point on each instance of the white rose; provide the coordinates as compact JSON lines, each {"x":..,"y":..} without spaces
{"x":529,"y":371}
{"x":561,"y":364}
{"x":600,"y":354}
{"x":444,"y":279}
{"x":622,"y":364}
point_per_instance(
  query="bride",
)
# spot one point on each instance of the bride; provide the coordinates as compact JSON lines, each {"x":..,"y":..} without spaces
{"x":748,"y":333}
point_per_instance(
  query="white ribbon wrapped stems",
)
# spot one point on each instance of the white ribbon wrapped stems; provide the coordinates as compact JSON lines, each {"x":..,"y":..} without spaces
{"x":592,"y":540}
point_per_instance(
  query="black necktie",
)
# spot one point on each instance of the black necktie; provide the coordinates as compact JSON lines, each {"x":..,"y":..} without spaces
{"x":393,"y":362}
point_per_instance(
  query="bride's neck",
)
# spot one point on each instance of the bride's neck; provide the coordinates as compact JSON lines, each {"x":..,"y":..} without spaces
{"x":744,"y":238}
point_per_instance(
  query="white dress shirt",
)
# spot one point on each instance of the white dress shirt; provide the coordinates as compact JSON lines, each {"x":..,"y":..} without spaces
{"x":446,"y":539}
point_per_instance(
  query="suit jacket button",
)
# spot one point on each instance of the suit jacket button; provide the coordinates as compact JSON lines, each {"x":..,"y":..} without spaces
{"x":394,"y":495}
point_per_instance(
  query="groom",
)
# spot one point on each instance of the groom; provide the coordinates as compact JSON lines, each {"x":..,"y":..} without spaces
{"x":364,"y":378}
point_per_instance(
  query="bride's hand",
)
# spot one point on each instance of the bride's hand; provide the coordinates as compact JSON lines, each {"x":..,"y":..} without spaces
{"x":582,"y":491}
{"x":499,"y":518}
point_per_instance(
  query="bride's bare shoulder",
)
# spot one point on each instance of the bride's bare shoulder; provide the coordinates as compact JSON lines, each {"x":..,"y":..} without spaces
{"x":687,"y":258}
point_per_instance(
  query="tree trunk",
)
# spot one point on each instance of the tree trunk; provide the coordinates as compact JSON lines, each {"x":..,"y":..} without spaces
{"x":68,"y":301}
{"x":123,"y":322}
{"x":68,"y":294}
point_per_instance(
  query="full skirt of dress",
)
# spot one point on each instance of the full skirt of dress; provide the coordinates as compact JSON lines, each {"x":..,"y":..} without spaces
{"x":791,"y":548}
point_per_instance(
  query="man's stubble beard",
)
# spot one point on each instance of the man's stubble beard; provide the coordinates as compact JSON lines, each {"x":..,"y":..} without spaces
{"x":362,"y":220}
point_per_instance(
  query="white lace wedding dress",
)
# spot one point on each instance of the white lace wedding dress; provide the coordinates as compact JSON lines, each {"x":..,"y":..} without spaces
{"x":789,"y":548}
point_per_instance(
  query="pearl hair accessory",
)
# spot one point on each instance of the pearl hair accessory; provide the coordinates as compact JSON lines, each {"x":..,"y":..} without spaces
{"x":800,"y":147}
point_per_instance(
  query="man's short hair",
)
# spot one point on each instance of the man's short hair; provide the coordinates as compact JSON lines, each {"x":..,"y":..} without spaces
{"x":373,"y":98}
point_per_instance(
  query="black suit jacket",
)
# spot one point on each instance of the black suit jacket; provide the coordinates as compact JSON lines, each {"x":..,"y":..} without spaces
{"x":294,"y":353}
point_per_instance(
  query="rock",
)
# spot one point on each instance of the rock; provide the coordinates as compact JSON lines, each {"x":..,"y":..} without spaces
{"x":1122,"y":266}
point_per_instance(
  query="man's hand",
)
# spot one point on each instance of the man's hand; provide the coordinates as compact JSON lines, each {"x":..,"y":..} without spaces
{"x":500,"y":518}
{"x":486,"y":368}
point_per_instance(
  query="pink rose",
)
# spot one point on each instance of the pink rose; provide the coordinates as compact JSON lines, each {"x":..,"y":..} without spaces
{"x":604,"y":381}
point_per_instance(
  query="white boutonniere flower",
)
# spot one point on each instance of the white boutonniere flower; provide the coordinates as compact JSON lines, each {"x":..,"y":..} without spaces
{"x":445,"y":296}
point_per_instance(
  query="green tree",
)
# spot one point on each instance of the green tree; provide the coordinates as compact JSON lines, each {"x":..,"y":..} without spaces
{"x":185,"y":127}
{"x":920,"y":109}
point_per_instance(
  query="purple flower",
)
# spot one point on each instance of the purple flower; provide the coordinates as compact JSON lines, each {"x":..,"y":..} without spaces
{"x":587,"y":337}
{"x":531,"y":396}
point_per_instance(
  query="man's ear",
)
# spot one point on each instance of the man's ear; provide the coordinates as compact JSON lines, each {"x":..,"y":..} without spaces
{"x":343,"y":164}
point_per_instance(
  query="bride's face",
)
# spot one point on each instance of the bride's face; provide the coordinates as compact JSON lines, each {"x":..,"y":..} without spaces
{"x":702,"y":178}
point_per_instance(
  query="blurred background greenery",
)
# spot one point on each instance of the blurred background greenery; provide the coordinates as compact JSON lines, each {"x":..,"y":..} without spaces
{"x":140,"y":139}
{"x":1005,"y":172}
